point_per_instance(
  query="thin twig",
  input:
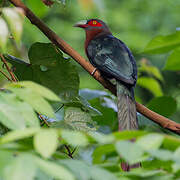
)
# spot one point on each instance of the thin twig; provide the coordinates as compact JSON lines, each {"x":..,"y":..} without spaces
{"x":7,"y":77}
{"x":54,"y":38}
{"x":69,"y":151}
{"x":8,"y":68}
{"x":44,"y":119}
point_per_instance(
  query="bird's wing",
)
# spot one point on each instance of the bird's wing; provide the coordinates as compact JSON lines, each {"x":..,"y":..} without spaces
{"x":113,"y":58}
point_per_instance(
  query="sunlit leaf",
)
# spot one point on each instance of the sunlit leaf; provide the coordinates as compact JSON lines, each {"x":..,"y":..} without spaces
{"x":18,"y":134}
{"x":84,"y":171}
{"x":173,"y":63}
{"x":15,"y":22}
{"x":74,"y":138}
{"x":129,"y":151}
{"x":4,"y":32}
{"x":46,"y":142}
{"x":154,"y":141}
{"x":38,"y":103}
{"x":101,"y":138}
{"x":150,"y":84}
{"x":54,"y":170}
{"x":162,"y":154}
{"x":152,"y":70}
{"x":10,"y":116}
{"x":22,"y":167}
{"x":46,"y":93}
{"x":162,"y":44}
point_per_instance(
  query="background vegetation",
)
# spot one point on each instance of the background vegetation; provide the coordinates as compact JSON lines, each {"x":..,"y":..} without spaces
{"x":77,"y":112}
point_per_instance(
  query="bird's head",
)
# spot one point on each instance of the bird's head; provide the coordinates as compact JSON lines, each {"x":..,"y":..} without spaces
{"x":93,"y":25}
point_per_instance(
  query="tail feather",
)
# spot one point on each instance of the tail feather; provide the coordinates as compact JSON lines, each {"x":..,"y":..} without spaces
{"x":127,"y":116}
{"x":126,"y":108}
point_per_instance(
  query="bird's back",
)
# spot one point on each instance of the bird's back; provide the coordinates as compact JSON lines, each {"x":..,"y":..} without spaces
{"x":112,"y":57}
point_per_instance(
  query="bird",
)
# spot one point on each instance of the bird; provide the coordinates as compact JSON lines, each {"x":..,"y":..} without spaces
{"x":116,"y":62}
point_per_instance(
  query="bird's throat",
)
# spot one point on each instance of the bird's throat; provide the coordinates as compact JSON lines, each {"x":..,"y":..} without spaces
{"x":91,"y":34}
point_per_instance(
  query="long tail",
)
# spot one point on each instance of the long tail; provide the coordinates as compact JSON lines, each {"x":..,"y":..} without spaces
{"x":126,"y":108}
{"x":127,"y":116}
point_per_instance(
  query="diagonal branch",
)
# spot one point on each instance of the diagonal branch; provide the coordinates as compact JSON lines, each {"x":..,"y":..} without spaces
{"x":54,"y":38}
{"x":5,"y":75}
{"x":8,"y":68}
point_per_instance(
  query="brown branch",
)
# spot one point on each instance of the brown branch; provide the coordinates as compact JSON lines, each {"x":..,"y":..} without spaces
{"x":8,"y":68}
{"x":44,"y":120}
{"x":53,"y":37}
{"x":7,"y":77}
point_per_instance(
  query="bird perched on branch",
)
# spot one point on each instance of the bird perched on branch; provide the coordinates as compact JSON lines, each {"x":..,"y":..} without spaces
{"x":115,"y":61}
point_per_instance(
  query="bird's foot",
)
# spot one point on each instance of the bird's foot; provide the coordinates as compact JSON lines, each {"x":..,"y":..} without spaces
{"x":95,"y":69}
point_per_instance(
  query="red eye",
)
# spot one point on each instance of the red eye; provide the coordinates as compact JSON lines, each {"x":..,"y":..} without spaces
{"x":94,"y":23}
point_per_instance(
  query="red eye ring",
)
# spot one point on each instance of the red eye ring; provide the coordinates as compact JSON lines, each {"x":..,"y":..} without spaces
{"x":94,"y":23}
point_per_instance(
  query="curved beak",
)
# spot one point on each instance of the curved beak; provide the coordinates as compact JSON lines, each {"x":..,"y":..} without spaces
{"x":81,"y":24}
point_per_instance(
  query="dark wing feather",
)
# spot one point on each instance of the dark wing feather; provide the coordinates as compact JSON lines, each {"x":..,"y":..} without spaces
{"x":112,"y":57}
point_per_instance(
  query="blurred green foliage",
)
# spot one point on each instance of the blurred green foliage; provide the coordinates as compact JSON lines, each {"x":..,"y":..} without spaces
{"x":80,"y":105}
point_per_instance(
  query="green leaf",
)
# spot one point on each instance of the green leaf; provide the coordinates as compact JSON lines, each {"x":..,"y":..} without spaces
{"x":22,"y":69}
{"x":6,"y":158}
{"x":82,"y":171}
{"x":109,"y":116}
{"x":53,"y":169}
{"x":3,"y":34}
{"x":18,"y":134}
{"x":164,"y":105}
{"x":152,"y":70}
{"x":99,"y":152}
{"x":79,"y":168}
{"x":61,"y":75}
{"x":101,"y":138}
{"x":43,"y":91}
{"x":161,"y":154}
{"x":74,"y":138}
{"x":142,"y":173}
{"x":46,"y":142}
{"x":150,"y":84}
{"x":10,"y":116}
{"x":154,"y":141}
{"x":173,"y":63}
{"x":162,"y":44}
{"x":22,"y":108}
{"x":177,"y":152}
{"x":131,"y":152}
{"x":171,"y":142}
{"x":38,"y":103}
{"x":22,"y":167}
{"x":28,"y":114}
{"x":15,"y":22}
{"x":128,"y":135}
{"x":49,"y":68}
{"x":98,"y":173}
{"x":78,"y":119}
